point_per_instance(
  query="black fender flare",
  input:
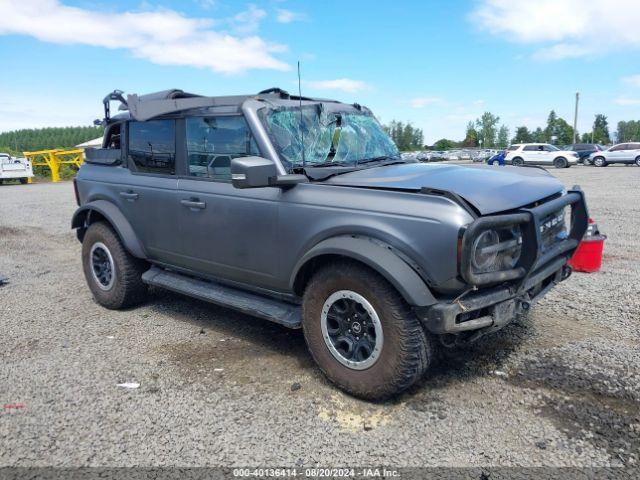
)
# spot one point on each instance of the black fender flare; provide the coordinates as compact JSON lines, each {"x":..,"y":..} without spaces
{"x":379,"y":256}
{"x":82,"y":218}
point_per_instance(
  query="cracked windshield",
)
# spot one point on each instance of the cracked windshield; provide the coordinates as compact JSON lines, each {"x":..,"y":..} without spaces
{"x":330,"y":138}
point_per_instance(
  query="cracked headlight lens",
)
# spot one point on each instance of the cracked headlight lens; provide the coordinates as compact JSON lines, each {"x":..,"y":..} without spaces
{"x":496,"y":250}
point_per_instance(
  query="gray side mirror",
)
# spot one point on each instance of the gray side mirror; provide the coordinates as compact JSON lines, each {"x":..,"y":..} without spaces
{"x":255,"y":172}
{"x":252,"y":172}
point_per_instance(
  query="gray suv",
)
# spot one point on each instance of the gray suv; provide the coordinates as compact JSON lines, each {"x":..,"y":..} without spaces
{"x":301,"y":211}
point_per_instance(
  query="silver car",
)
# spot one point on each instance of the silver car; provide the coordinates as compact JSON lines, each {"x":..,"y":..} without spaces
{"x":620,"y":153}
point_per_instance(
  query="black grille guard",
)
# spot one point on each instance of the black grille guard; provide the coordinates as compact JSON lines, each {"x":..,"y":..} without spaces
{"x":530,"y":221}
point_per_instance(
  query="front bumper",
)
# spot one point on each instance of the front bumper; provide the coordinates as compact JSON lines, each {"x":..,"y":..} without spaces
{"x":495,"y":307}
{"x":511,"y":292}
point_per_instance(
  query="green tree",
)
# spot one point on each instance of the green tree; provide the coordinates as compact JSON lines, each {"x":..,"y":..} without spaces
{"x":563,"y":132}
{"x":538,"y":136}
{"x":471,"y":137}
{"x":406,"y":136}
{"x":522,"y":135}
{"x":550,"y":130}
{"x":601,"y":129}
{"x":628,"y":131}
{"x":503,"y":137}
{"x":486,"y":126}
{"x":444,"y":144}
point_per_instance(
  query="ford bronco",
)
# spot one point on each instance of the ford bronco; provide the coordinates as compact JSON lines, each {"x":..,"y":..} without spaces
{"x":301,"y":211}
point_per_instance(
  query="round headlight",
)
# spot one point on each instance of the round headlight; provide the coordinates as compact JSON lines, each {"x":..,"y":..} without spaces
{"x":484,"y":256}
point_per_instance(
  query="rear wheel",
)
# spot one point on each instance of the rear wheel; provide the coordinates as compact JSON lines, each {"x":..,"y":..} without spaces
{"x":560,"y":162}
{"x":638,"y":160}
{"x":517,"y":162}
{"x":113,"y":274}
{"x":361,"y":332}
{"x":599,"y":162}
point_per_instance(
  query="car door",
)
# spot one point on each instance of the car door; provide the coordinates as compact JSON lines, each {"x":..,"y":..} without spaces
{"x":547,"y":154}
{"x":634,"y":149}
{"x":227,"y":233}
{"x":146,"y":195}
{"x":530,"y":153}
{"x":617,"y":153}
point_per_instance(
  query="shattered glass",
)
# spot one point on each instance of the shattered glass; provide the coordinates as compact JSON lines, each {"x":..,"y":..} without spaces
{"x":335,"y":138}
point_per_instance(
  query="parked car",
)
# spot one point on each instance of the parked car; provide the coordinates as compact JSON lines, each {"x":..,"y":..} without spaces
{"x":621,"y":153}
{"x":540,"y":154}
{"x":379,"y":261}
{"x":12,"y":168}
{"x":584,"y":150}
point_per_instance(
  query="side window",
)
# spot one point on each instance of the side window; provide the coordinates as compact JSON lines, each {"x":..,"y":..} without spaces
{"x":547,"y":148}
{"x":635,"y":146}
{"x":152,"y":146}
{"x":112,"y":139}
{"x":212,"y":142}
{"x":530,"y":148}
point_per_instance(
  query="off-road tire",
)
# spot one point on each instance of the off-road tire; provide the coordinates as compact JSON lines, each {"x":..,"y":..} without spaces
{"x":24,"y":181}
{"x":599,"y":162}
{"x":560,"y":162}
{"x":407,"y":351}
{"x":127,"y":289}
{"x":517,"y":162}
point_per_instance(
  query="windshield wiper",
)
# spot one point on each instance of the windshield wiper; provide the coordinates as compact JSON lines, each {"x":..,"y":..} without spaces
{"x":328,"y":164}
{"x":380,"y":159}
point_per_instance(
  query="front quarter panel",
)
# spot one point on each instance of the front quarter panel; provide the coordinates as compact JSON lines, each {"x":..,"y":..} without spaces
{"x":423,"y":228}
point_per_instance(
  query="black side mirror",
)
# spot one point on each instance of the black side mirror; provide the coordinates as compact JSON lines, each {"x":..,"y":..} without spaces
{"x":255,"y":172}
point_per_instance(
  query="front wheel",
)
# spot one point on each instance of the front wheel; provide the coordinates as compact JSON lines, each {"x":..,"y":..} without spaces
{"x":599,"y":162}
{"x":517,"y":162}
{"x":638,"y":161}
{"x":361,"y":332}
{"x":24,"y":181}
{"x":114,"y":275}
{"x":560,"y":162}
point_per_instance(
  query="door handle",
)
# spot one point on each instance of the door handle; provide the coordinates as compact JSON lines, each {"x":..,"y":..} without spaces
{"x":129,"y":195}
{"x":193,"y":203}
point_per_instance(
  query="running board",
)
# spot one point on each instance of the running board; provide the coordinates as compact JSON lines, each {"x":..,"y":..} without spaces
{"x":277,"y":311}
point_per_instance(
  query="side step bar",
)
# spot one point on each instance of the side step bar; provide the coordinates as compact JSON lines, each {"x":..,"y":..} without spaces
{"x":277,"y":311}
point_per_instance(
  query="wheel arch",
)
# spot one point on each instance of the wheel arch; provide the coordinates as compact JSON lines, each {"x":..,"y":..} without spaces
{"x":373,"y":253}
{"x":104,"y":210}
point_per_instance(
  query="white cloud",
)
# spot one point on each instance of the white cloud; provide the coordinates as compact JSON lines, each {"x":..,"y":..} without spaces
{"x":162,"y":36}
{"x":626,"y":101}
{"x":632,"y":80}
{"x":563,"y":28}
{"x":421,"y":102}
{"x":343,"y":84}
{"x":287,"y":16}
{"x":249,"y":20}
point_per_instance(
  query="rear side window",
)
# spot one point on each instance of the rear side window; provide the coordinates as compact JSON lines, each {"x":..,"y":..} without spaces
{"x":152,"y":146}
{"x":212,"y":142}
{"x":531,"y":148}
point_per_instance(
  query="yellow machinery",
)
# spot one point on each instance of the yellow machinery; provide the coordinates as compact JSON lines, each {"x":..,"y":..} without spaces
{"x":54,"y":158}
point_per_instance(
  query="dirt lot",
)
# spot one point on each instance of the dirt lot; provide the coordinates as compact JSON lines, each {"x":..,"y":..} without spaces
{"x":560,"y":388}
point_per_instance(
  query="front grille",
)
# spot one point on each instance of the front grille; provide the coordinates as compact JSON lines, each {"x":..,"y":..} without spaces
{"x":553,"y":229}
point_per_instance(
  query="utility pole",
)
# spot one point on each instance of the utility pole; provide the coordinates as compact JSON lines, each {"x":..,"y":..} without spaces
{"x":575,"y":119}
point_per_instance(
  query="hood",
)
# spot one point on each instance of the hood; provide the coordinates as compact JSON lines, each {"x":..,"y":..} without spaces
{"x":489,"y":189}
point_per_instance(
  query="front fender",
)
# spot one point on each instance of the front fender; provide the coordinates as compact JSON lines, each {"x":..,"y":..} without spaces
{"x":378,"y":256}
{"x":83,"y":216}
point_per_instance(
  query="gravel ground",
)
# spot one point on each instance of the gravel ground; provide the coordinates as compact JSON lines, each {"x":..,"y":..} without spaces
{"x":560,"y":388}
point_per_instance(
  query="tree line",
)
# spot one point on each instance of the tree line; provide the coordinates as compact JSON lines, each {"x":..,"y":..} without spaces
{"x":18,"y":141}
{"x":406,"y":136}
{"x":485,"y":132}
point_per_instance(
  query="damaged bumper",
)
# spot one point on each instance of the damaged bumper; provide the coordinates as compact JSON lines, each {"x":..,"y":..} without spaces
{"x":495,"y":307}
{"x":544,"y":267}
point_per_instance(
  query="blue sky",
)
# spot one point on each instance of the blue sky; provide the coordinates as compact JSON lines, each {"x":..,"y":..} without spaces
{"x":436,"y":64}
